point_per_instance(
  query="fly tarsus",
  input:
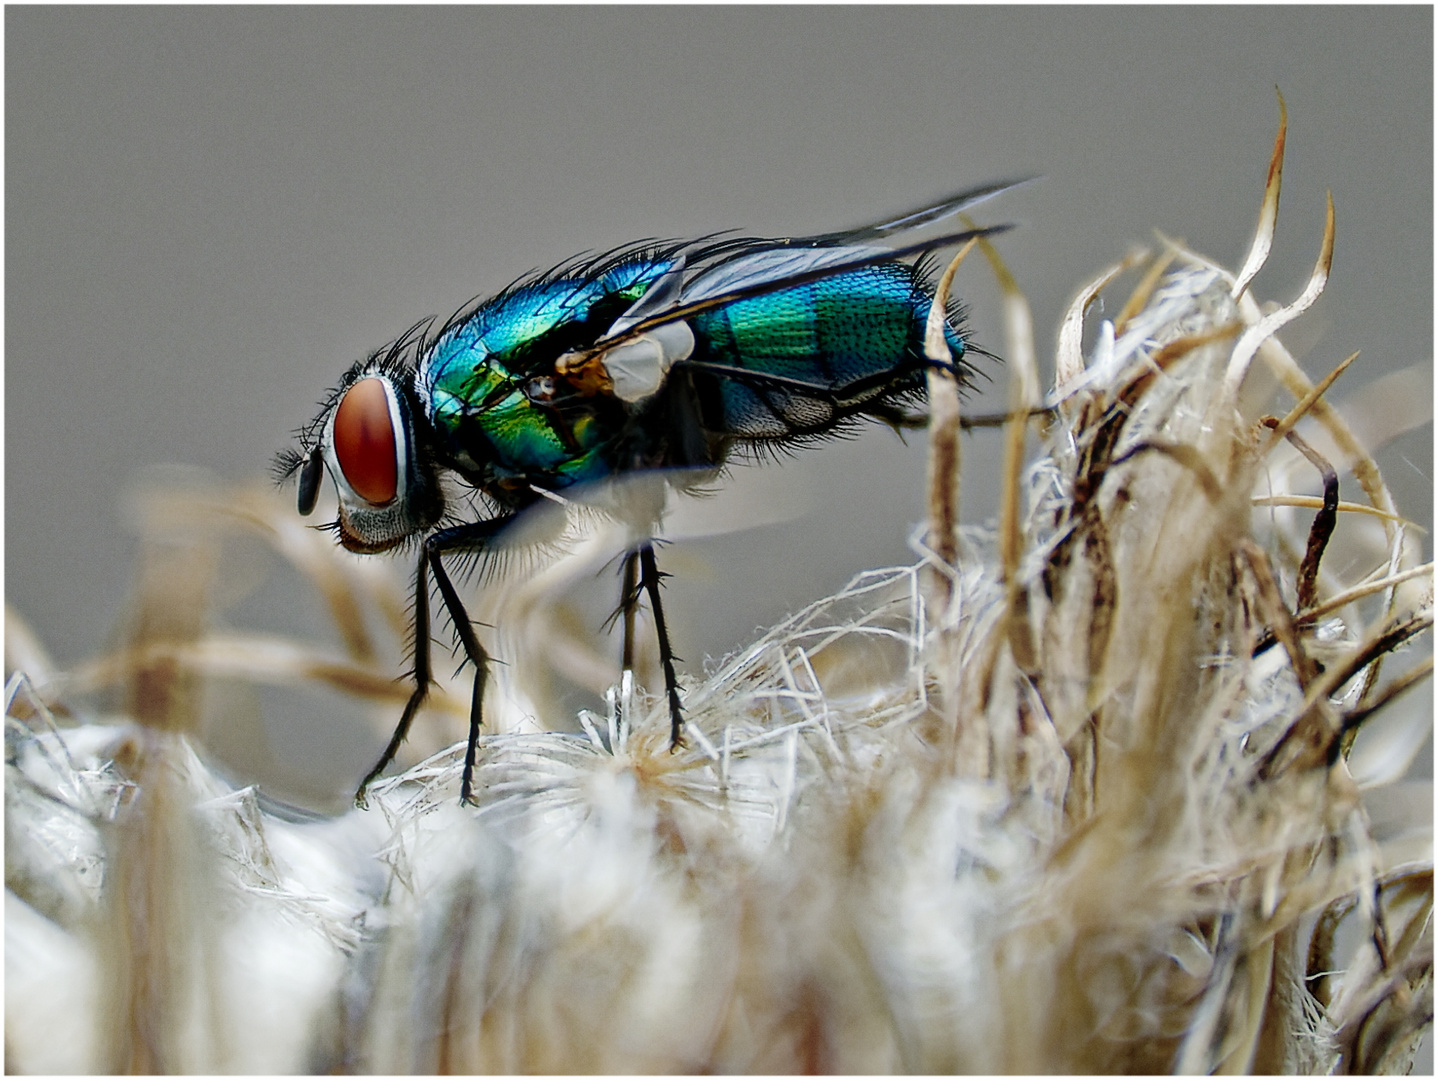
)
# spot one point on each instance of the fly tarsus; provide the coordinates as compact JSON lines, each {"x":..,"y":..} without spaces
{"x":400,"y":732}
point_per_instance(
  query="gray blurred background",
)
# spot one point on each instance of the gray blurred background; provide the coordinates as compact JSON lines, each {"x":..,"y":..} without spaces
{"x":212,"y":212}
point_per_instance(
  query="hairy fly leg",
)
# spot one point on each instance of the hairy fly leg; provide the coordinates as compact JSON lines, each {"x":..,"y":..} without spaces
{"x":471,"y":537}
{"x":641,"y":574}
{"x":649,"y":579}
{"x":464,"y":629}
{"x":628,"y":603}
{"x":420,"y":672}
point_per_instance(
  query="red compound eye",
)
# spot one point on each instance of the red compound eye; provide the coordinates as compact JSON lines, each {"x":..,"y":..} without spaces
{"x":365,"y":442}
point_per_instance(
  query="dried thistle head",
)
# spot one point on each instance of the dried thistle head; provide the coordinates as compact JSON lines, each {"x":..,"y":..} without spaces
{"x":1077,"y":793}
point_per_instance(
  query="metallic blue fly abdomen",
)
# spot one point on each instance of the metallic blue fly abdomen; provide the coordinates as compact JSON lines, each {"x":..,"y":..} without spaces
{"x":859,"y":334}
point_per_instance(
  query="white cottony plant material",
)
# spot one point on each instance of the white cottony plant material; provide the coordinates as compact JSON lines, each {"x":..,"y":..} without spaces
{"x":1093,"y":806}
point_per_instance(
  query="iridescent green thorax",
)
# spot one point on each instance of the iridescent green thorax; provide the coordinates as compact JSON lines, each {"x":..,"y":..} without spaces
{"x":479,"y":378}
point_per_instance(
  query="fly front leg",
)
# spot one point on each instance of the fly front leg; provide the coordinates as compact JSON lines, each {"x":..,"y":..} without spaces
{"x":474,"y":651}
{"x":421,"y":675}
{"x":472,"y":537}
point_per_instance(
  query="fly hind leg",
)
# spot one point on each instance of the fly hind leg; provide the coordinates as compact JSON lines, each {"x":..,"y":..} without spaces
{"x":628,"y":605}
{"x":649,"y":579}
{"x":641,"y":574}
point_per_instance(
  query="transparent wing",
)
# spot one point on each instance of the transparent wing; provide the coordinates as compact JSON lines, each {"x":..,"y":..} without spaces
{"x":785,"y":266}
{"x":709,"y":276}
{"x":927,"y":214}
{"x":763,"y":278}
